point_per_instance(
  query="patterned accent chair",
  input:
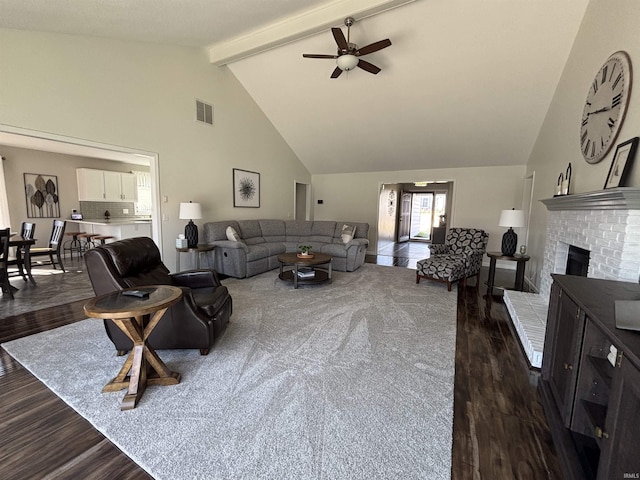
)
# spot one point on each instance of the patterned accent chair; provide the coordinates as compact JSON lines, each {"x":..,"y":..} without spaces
{"x":459,"y":258}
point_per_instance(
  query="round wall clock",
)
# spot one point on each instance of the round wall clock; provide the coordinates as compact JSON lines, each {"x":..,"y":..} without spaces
{"x":605,"y":107}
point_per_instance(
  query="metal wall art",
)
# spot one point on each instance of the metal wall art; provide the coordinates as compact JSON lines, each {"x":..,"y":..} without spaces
{"x":41,"y":194}
{"x":246,"y":188}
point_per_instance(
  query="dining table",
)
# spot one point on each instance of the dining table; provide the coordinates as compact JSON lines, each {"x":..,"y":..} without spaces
{"x":23,"y":257}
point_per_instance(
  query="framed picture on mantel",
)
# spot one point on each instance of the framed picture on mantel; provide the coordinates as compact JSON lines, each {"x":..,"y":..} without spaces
{"x":621,"y":163}
{"x":246,"y":188}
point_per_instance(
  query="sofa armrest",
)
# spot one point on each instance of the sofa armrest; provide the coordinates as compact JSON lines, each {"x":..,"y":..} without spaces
{"x":196,"y":278}
{"x":473,"y":260}
{"x":357,"y":242}
{"x":230,"y":244}
{"x":439,"y":249}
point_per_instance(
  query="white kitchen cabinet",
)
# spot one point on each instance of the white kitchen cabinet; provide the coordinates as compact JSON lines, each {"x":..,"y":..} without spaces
{"x":129,"y":187}
{"x":120,"y":187}
{"x":90,"y":185}
{"x":106,"y":186}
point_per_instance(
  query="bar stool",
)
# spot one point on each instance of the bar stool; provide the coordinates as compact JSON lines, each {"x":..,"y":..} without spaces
{"x":88,"y":240}
{"x":73,"y":245}
{"x":103,"y":238}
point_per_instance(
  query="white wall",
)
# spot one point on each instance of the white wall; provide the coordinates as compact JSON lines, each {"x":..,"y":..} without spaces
{"x":142,"y":96}
{"x":479,"y":194}
{"x":606,"y":28}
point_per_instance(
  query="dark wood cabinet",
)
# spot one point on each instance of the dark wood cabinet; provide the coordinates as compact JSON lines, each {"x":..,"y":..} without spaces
{"x":590,"y":386}
{"x":562,"y":344}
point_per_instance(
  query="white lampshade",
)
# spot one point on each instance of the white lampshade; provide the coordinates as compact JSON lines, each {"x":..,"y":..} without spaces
{"x":190,"y":211}
{"x":511,"y":218}
{"x":347,"y":62}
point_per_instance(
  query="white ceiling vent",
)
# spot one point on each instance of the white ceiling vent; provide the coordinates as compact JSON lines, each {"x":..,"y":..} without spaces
{"x":204,"y":112}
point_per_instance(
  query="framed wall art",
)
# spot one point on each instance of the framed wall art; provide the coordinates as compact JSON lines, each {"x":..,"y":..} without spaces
{"x":621,"y":163}
{"x":246,"y":188}
{"x":41,"y":195}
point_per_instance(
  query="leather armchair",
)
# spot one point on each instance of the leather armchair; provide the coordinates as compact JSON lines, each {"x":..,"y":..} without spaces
{"x":194,"y":322}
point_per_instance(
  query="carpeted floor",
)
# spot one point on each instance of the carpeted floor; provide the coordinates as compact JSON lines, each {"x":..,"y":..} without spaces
{"x":349,"y":380}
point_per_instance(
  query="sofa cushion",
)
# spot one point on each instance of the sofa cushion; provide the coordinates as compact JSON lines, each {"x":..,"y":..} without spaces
{"x":334,"y":249}
{"x":218,"y":230}
{"x":362,"y":229}
{"x":250,"y":231}
{"x":297,"y":228}
{"x":264,"y":250}
{"x":322,"y":232}
{"x":273,"y":230}
{"x":348,"y":232}
{"x":232,"y":235}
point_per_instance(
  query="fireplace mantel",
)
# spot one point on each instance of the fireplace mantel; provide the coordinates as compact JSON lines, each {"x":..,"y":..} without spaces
{"x":621,"y":198}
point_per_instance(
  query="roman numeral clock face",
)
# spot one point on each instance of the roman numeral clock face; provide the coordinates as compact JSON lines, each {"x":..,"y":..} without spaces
{"x":605,"y":107}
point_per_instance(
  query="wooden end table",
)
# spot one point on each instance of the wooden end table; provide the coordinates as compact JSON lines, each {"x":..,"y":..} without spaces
{"x":137,"y":317}
{"x":292,"y":259}
{"x":521,"y":263}
{"x":195,"y":252}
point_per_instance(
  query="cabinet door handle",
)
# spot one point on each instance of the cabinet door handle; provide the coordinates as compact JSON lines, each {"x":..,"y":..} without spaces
{"x":601,"y":433}
{"x":568,"y":366}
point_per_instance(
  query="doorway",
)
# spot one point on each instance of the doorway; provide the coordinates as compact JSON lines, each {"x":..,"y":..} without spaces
{"x":302,"y":201}
{"x":33,"y":140}
{"x":417,"y":219}
{"x":427,"y":213}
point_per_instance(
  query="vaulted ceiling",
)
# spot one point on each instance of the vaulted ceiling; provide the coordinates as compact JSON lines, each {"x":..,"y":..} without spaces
{"x":465,"y":82}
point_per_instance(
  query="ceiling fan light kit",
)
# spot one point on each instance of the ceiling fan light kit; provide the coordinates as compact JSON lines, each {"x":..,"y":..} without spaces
{"x":348,"y":54}
{"x":347,"y":62}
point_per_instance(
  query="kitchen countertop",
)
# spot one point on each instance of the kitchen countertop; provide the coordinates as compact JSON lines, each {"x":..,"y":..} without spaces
{"x":113,"y":221}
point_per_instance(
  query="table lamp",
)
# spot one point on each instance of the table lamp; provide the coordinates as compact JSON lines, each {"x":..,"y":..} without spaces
{"x":190,"y":211}
{"x":512,"y":219}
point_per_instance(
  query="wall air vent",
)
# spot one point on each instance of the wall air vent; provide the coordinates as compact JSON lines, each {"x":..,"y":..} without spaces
{"x":204,"y":112}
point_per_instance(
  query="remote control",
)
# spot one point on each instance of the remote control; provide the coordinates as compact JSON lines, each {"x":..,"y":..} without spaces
{"x":136,"y":293}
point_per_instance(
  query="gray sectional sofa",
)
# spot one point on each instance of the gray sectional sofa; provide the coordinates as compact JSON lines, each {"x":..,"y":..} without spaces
{"x":261,"y":241}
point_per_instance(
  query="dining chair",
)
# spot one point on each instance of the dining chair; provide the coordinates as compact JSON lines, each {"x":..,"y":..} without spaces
{"x":55,"y":245}
{"x":27,"y":231}
{"x":5,"y":234}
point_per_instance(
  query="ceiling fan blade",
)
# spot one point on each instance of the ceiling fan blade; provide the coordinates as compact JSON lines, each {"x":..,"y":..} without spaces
{"x":340,"y":40}
{"x":369,"y":67}
{"x":319,"y":55}
{"x":336,"y":73}
{"x":373,"y":47}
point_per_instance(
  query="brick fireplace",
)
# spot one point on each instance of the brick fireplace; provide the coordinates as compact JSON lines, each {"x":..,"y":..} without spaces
{"x":605,"y":223}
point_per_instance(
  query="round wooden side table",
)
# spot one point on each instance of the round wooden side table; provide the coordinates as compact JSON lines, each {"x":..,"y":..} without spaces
{"x":137,"y":317}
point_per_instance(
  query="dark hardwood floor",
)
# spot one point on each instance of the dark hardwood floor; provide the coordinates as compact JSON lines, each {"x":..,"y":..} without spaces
{"x":500,"y":431}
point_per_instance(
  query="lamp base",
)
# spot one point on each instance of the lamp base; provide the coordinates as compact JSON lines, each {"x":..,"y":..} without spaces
{"x":191,"y":234}
{"x":509,"y":243}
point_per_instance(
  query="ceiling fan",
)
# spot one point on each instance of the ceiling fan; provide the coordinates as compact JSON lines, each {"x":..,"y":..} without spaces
{"x":348,"y":54}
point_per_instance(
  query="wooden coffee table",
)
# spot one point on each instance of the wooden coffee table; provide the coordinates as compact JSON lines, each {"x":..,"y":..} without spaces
{"x":321,"y":275}
{"x":137,"y":317}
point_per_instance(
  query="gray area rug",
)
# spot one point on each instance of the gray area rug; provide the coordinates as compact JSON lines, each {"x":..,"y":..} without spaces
{"x":352,"y":380}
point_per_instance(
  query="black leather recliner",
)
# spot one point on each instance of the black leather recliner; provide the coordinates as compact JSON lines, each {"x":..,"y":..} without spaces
{"x":194,"y":322}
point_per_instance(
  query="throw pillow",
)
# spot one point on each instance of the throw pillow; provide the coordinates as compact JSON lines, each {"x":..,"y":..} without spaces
{"x":232,"y":234}
{"x":348,"y":232}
